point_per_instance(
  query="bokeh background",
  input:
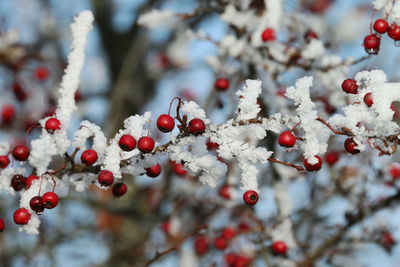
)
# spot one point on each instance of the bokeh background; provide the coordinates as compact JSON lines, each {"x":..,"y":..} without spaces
{"x":129,"y":70}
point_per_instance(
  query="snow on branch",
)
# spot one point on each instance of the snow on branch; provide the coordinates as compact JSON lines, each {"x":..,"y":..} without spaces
{"x":315,"y":134}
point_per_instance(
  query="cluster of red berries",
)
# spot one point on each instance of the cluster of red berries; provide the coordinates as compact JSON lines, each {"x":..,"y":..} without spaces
{"x":372,"y":42}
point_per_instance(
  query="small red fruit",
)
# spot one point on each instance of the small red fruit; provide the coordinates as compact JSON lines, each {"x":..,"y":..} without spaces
{"x":279,"y":247}
{"x":224,"y":192}
{"x":332,"y":157}
{"x":119,"y":189}
{"x":372,"y":44}
{"x":220,"y":243}
{"x":197,"y":126}
{"x":387,"y":239}
{"x":153,"y":171}
{"x":287,"y":139}
{"x":368,"y":99}
{"x":21,"y":153}
{"x":18,"y":182}
{"x":350,"y":86}
{"x":19,"y":92}
{"x":29,"y":180}
{"x":8,"y":114}
{"x":313,"y":167}
{"x":21,"y":216}
{"x":166,"y":226}
{"x":381,"y":26}
{"x":89,"y":157}
{"x":52,"y":124}
{"x":4,"y":161}
{"x":394,"y":32}
{"x":394,"y":172}
{"x":178,"y":169}
{"x":221,"y":84}
{"x":50,"y":200}
{"x":165,"y":123}
{"x":350,"y":146}
{"x":41,"y":73}
{"x":127,"y":142}
{"x":1,"y":225}
{"x":146,"y":144}
{"x":212,"y":145}
{"x":228,"y":233}
{"x":309,"y":35}
{"x":250,"y":197}
{"x":201,"y":245}
{"x":268,"y":35}
{"x":37,"y":204}
{"x":105,"y":178}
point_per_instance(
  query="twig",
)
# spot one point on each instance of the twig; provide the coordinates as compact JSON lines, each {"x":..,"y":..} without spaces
{"x":176,"y":246}
{"x":297,"y":167}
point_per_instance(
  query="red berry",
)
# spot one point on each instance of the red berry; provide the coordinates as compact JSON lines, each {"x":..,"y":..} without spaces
{"x":127,"y":142}
{"x":268,"y":35}
{"x":4,"y":161}
{"x":166,"y":226}
{"x":224,"y":192}
{"x":89,"y":157}
{"x":313,"y":167}
{"x":394,"y":32}
{"x":201,"y":245}
{"x":21,"y":216}
{"x":250,"y":197}
{"x":372,"y":44}
{"x":319,"y":6}
{"x":388,"y":239}
{"x":350,"y":146}
{"x":228,"y":233}
{"x":29,"y":180}
{"x":77,"y":96}
{"x":279,"y":247}
{"x":221,"y":84}
{"x":350,"y":86}
{"x":119,"y":189}
{"x":309,"y":35}
{"x":220,"y":243}
{"x":212,"y":145}
{"x":37,"y":204}
{"x":153,"y":171}
{"x":230,"y":258}
{"x":287,"y":139}
{"x":381,"y":26}
{"x":19,"y":92}
{"x":1,"y":225}
{"x":368,"y":99}
{"x":50,"y":200}
{"x":18,"y":182}
{"x":52,"y":124}
{"x":165,"y":123}
{"x":395,"y":172}
{"x":244,"y":226}
{"x":178,"y":168}
{"x":197,"y":126}
{"x":332,"y":157}
{"x":146,"y":144}
{"x":41,"y":73}
{"x":21,"y":153}
{"x":105,"y":178}
{"x":8,"y":114}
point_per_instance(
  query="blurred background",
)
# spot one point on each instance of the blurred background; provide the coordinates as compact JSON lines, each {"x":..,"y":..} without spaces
{"x":130,"y":69}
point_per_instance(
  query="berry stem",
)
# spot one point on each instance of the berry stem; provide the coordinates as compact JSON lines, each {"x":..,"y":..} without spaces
{"x":294,"y":127}
{"x":387,"y":14}
{"x":170,"y":103}
{"x":29,"y":130}
{"x":297,"y":167}
{"x":372,"y":21}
